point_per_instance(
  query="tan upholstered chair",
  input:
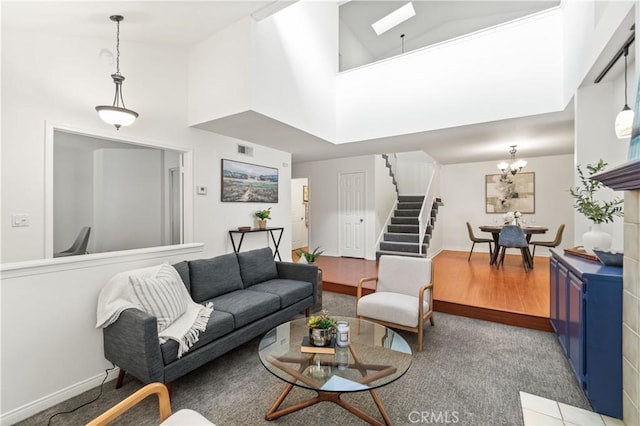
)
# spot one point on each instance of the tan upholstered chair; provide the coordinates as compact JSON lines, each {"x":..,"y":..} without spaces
{"x":182,"y":417}
{"x":403,"y":298}
{"x":475,"y":240}
{"x":555,"y":243}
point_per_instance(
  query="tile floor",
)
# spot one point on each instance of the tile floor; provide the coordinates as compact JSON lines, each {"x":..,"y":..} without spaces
{"x":538,"y":411}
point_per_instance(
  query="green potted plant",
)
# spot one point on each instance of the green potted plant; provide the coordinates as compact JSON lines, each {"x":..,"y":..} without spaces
{"x":321,"y":328}
{"x":263,"y":216}
{"x":597,"y":211}
{"x":308,"y":257}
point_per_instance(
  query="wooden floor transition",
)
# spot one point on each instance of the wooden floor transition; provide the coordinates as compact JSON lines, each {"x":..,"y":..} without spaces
{"x":475,"y":289}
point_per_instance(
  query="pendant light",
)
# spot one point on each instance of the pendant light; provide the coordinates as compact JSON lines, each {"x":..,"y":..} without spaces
{"x":514,"y":166}
{"x":624,"y":120}
{"x":117,"y":114}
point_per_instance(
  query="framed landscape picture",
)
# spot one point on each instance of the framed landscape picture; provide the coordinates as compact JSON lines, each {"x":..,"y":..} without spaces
{"x":245,"y":182}
{"x":510,"y":193}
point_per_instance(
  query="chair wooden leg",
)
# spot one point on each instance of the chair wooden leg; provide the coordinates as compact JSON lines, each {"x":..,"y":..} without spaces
{"x":120,"y":378}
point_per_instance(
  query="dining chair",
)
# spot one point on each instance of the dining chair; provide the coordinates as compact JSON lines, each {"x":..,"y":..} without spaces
{"x":555,"y":243}
{"x":512,"y":236}
{"x":475,"y":240}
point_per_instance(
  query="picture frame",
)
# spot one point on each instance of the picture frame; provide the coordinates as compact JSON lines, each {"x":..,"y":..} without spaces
{"x":305,"y":193}
{"x":510,"y":193}
{"x":246,"y":182}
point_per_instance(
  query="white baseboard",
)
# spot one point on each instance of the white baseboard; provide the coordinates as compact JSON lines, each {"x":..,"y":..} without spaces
{"x":34,"y":407}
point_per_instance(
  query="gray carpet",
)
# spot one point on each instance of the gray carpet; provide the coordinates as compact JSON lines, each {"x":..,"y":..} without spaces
{"x":470,"y":373}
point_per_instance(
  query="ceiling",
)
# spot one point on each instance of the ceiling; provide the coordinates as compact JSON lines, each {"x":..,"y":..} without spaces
{"x":184,"y":23}
{"x":434,"y":22}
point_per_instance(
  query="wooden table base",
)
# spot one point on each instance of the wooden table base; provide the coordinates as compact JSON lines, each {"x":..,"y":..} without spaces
{"x":274,"y":412}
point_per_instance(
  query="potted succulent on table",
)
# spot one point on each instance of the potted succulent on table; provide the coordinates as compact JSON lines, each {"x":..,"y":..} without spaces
{"x":597,"y":212}
{"x":263,"y":216}
{"x":322,"y":328}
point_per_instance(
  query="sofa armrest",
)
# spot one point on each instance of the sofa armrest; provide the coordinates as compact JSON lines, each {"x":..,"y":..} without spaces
{"x":132,"y":344}
{"x":300,"y":272}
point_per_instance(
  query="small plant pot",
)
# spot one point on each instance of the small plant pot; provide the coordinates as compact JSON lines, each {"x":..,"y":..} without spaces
{"x":262,"y":223}
{"x":320,"y":336}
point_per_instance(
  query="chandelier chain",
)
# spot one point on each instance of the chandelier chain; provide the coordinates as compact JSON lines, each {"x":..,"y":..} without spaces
{"x":118,"y":47}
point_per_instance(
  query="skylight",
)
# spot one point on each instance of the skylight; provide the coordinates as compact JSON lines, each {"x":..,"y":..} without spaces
{"x":396,"y":17}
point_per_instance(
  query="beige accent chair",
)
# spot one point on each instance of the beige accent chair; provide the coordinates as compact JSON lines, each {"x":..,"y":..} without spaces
{"x":475,"y":240}
{"x":184,"y":417}
{"x":403,"y":297}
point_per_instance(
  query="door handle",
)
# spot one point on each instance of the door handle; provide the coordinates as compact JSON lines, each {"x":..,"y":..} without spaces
{"x":361,"y":220}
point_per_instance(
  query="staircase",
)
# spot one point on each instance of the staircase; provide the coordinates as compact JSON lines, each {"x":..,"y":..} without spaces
{"x":402,"y":236}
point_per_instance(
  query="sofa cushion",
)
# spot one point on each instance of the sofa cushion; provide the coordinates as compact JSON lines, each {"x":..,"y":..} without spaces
{"x":257,"y":266}
{"x":160,"y":296}
{"x":247,"y":306}
{"x":213,"y":277}
{"x":289,"y":291}
{"x":183,"y":271}
{"x":219,"y":324}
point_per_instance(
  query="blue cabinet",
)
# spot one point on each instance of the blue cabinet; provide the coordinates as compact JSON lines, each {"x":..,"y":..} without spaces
{"x":586,"y":314}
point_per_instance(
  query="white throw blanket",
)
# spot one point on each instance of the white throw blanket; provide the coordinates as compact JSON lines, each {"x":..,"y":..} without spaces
{"x":117,"y":295}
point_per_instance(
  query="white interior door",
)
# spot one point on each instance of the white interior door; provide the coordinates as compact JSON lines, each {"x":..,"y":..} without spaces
{"x":352,"y":187}
{"x":299,"y":233}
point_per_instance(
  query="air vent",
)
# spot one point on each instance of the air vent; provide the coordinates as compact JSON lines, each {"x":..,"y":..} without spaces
{"x":245,"y":150}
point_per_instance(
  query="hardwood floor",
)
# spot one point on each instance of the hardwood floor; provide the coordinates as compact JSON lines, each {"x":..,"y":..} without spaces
{"x":475,"y":289}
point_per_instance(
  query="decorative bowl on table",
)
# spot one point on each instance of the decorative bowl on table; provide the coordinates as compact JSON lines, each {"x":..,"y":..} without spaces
{"x":244,"y":228}
{"x":609,"y":258}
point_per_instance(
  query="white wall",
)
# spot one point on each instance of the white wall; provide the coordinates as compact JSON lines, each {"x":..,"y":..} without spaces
{"x":463,"y":195}
{"x":283,"y":67}
{"x":323,"y":200}
{"x":448,"y":84}
{"x":73,"y":186}
{"x":352,"y":53}
{"x":127,"y":202}
{"x":414,"y":171}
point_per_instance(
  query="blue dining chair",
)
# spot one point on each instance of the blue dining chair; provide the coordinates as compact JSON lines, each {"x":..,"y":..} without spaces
{"x":512,"y":236}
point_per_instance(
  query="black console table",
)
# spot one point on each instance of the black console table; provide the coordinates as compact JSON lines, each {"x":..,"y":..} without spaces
{"x":269,"y":230}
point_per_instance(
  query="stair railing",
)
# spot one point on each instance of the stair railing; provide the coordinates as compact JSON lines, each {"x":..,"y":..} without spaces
{"x":424,"y":219}
{"x":386,"y":224}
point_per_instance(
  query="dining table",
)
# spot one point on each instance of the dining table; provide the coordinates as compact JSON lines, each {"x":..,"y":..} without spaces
{"x":528,"y":231}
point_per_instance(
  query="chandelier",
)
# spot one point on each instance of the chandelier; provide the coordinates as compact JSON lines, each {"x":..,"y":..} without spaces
{"x":117,"y":114}
{"x":513,"y":166}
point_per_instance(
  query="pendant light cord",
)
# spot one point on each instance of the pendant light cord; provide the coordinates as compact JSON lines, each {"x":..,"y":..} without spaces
{"x":626,"y":52}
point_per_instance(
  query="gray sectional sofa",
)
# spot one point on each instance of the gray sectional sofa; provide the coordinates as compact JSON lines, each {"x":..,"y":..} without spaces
{"x":251,"y":294}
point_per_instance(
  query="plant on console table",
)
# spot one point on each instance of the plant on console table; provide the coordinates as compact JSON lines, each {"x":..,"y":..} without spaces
{"x":263,"y":216}
{"x":596,"y":211}
{"x":321,"y":328}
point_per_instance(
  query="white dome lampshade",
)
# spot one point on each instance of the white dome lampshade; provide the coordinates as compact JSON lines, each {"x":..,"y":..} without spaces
{"x":624,"y":123}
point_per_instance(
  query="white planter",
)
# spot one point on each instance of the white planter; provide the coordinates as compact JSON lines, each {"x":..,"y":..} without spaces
{"x":596,"y":238}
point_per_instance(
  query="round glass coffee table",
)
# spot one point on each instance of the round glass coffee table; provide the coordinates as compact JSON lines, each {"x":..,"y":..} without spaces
{"x":375,"y":357}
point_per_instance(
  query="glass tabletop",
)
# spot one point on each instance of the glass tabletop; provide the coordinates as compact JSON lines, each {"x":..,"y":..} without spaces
{"x":375,"y":357}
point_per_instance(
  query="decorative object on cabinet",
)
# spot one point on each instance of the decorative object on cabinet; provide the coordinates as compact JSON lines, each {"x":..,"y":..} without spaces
{"x":609,"y":258}
{"x":504,"y":193}
{"x":586,"y":314}
{"x":245,"y":182}
{"x":117,"y":114}
{"x":597,"y":212}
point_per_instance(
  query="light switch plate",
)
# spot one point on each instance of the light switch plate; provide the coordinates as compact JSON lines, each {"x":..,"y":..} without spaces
{"x":201,"y":190}
{"x":19,"y":220}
